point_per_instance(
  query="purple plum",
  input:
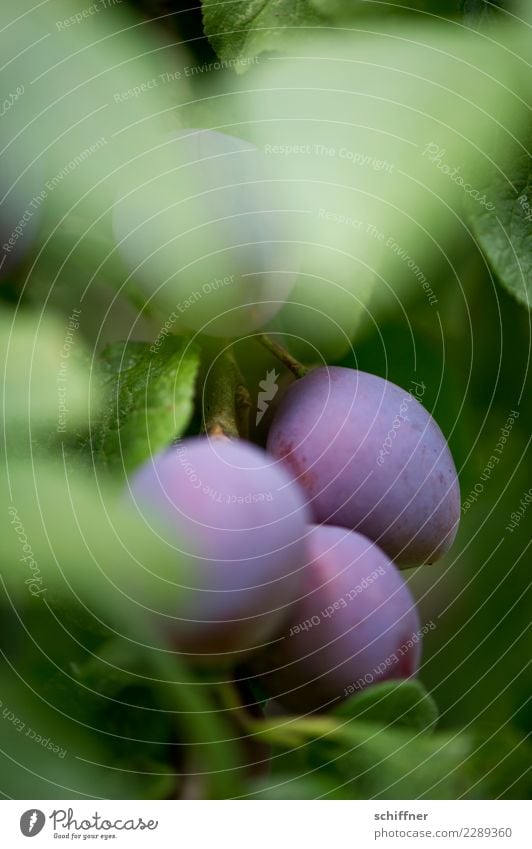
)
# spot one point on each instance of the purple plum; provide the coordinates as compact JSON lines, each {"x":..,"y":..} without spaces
{"x":354,"y":625}
{"x":240,"y":522}
{"x":371,"y":459}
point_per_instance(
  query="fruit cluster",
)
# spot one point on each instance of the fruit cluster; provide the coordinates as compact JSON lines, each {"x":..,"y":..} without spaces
{"x":291,"y":553}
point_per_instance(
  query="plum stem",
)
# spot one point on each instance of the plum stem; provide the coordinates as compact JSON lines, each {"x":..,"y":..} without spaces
{"x":226,"y":398}
{"x":283,"y":355}
{"x":294,"y":730}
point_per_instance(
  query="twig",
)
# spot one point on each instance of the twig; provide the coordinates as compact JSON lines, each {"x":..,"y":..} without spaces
{"x":283,"y":355}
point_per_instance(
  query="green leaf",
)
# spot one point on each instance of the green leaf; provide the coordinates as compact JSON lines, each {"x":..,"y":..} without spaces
{"x":352,"y":11}
{"x":371,"y":762}
{"x":504,"y":228}
{"x":240,"y":31}
{"x":46,"y":373}
{"x":392,"y":764}
{"x":148,"y":399}
{"x":398,"y":703}
{"x":322,"y":757}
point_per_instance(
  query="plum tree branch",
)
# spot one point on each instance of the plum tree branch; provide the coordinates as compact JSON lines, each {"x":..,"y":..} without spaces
{"x":283,"y":355}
